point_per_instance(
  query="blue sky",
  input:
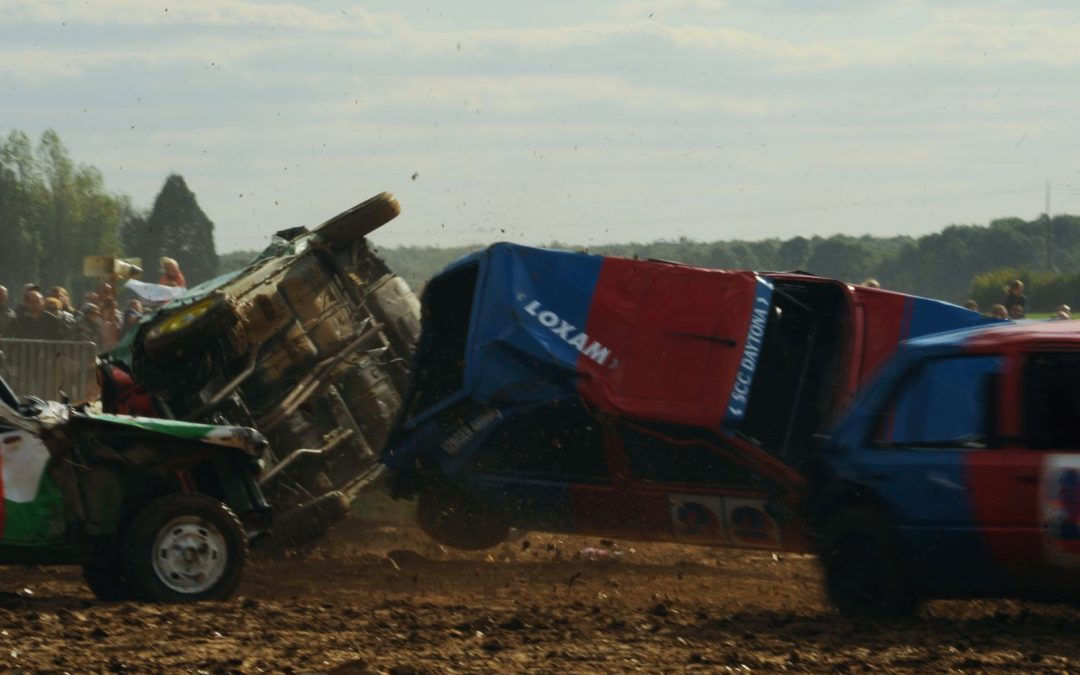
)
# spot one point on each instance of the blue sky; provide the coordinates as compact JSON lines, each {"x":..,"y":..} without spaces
{"x":583,"y":122}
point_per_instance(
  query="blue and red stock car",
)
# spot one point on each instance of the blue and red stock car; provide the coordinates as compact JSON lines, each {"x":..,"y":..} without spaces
{"x":569,"y":392}
{"x":957,"y":473}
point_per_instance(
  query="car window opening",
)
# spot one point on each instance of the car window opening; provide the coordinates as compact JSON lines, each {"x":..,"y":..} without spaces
{"x":440,"y":367}
{"x":946,"y":402}
{"x":797,"y":384}
{"x":1051,"y":401}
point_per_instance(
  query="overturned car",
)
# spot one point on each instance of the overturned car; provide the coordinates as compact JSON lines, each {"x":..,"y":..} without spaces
{"x":577,"y":393}
{"x":310,"y":344}
{"x":152,"y":509}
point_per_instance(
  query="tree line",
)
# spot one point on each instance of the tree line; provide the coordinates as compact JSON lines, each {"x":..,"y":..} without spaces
{"x":940,"y":265}
{"x":943,"y":265}
{"x":54,"y":212}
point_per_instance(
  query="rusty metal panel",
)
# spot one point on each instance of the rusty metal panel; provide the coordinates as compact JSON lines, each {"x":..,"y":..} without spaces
{"x":44,"y":368}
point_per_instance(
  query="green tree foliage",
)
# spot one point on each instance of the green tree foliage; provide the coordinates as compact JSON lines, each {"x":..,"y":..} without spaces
{"x":793,"y":253}
{"x":21,"y":193}
{"x":52,"y":212}
{"x":176,"y":227}
{"x":939,"y":265}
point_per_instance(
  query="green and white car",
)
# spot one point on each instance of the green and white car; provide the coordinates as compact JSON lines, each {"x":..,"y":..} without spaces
{"x":152,"y":509}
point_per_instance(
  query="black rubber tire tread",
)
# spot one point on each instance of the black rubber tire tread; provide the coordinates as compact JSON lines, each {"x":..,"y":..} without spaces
{"x":143,"y":531}
{"x":864,"y":575}
{"x":361,"y":220}
{"x":106,"y":581}
{"x":454,"y":520}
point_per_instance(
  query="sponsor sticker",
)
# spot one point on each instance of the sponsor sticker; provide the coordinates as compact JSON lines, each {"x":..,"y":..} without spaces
{"x":755,"y":337}
{"x":738,"y":521}
{"x":697,"y":516}
{"x":1060,"y":502}
{"x":749,"y":525}
{"x":567,"y":332}
{"x":467,"y":430}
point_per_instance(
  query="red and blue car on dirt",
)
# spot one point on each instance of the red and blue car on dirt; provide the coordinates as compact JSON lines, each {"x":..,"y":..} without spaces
{"x":957,"y":473}
{"x":648,"y":400}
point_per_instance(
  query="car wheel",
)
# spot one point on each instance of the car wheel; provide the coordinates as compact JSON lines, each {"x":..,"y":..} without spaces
{"x":106,"y":581}
{"x":864,"y":576}
{"x":184,"y":548}
{"x":459,"y":521}
{"x":360,"y":220}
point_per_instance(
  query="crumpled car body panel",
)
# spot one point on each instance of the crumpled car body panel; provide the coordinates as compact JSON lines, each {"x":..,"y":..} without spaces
{"x":649,"y":384}
{"x":653,"y":341}
{"x":310,"y":344}
{"x":69,"y":476}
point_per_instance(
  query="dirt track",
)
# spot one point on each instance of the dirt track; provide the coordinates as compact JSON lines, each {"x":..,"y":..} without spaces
{"x":535,"y":604}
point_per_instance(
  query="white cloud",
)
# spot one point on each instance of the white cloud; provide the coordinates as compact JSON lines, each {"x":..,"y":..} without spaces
{"x":971,"y":37}
{"x":650,"y":8}
{"x":36,"y":64}
{"x":193,"y":12}
{"x":507,"y":118}
{"x":537,"y":93}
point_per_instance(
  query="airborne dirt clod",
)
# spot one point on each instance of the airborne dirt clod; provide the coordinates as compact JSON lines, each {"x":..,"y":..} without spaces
{"x":386,"y":599}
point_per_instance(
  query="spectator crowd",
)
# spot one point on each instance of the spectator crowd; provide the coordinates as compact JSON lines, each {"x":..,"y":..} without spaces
{"x":50,"y":314}
{"x":1014,"y":305}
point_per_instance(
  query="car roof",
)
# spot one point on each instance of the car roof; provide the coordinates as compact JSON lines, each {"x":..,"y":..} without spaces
{"x":1004,"y":335}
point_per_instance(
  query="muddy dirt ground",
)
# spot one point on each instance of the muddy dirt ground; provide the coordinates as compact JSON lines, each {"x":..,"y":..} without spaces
{"x":385,"y":599}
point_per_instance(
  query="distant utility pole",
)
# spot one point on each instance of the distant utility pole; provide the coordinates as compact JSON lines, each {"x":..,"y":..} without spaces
{"x":1049,"y":232}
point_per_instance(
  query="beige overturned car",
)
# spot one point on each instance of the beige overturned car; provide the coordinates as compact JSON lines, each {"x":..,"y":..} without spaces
{"x":310,"y":344}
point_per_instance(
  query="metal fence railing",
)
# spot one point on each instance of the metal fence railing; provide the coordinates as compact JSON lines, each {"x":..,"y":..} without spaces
{"x":44,"y":368}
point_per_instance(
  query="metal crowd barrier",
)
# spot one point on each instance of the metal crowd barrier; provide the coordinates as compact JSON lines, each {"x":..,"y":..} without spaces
{"x":44,"y":368}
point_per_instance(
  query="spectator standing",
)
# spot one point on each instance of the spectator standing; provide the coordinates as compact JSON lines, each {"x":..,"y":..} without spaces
{"x":66,"y":310}
{"x":999,"y":312}
{"x":33,"y":323}
{"x":972,"y":305}
{"x":7,"y":316}
{"x":27,"y":287}
{"x":110,"y":324}
{"x":89,"y":298}
{"x":55,"y":307}
{"x":1015,"y":300}
{"x":171,"y":274}
{"x":52,"y":307}
{"x":89,"y":326}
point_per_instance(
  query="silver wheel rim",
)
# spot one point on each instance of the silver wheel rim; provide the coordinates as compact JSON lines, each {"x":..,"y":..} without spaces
{"x":189,"y":554}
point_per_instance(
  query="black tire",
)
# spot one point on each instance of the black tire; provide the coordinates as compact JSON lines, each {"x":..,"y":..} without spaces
{"x":864,"y":573}
{"x":455,"y":520}
{"x":179,"y":525}
{"x":106,"y":581}
{"x":361,"y":220}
